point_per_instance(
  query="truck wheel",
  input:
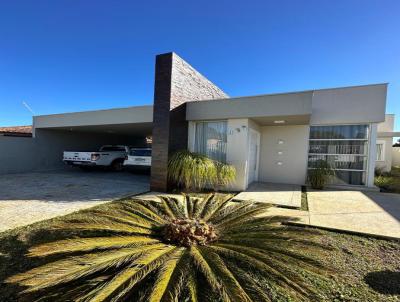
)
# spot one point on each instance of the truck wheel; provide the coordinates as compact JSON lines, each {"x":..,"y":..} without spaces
{"x":117,"y":165}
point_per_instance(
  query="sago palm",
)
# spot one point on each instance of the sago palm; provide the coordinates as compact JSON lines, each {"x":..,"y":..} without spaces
{"x":206,"y":248}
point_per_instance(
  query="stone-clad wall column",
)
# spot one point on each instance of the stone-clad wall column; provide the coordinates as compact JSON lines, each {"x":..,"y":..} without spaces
{"x":176,"y":82}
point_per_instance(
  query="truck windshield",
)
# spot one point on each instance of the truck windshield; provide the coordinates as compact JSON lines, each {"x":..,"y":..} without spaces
{"x":140,"y":152}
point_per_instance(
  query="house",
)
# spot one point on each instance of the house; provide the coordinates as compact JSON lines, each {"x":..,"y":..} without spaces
{"x":20,"y":131}
{"x":384,"y":150}
{"x":268,"y":138}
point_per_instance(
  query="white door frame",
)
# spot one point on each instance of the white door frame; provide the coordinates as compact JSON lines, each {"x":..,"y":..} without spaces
{"x":258,"y":141}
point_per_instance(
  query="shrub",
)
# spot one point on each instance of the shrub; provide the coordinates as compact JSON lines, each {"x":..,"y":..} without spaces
{"x":226,"y":174}
{"x":383,"y":182}
{"x":319,"y":175}
{"x":193,"y":171}
{"x":188,"y":249}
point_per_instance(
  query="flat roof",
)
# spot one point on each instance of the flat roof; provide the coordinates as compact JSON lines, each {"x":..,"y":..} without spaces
{"x":128,"y":115}
{"x":293,"y":107}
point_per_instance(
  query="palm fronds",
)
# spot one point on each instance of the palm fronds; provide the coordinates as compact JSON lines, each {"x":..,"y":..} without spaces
{"x":166,"y":249}
{"x":193,"y":171}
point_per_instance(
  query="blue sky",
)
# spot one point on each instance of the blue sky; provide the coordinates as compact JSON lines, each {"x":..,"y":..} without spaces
{"x":65,"y":56}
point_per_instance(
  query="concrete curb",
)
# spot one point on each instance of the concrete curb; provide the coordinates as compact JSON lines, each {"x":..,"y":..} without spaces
{"x":377,"y":236}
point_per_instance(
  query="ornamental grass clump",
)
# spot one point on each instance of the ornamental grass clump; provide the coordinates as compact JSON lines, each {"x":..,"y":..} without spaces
{"x":195,"y":172}
{"x":206,"y":248}
{"x":319,"y":174}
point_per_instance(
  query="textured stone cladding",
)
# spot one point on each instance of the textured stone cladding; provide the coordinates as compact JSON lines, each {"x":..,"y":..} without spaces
{"x":176,"y":83}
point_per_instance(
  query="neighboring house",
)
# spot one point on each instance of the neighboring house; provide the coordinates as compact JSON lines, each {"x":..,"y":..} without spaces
{"x":396,"y":157}
{"x":20,"y":131}
{"x":268,"y":138}
{"x":384,"y":150}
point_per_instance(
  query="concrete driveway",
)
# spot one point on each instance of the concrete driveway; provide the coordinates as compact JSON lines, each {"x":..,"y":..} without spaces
{"x":365,"y":212}
{"x":371,"y":213}
{"x":284,"y":195}
{"x":30,"y":197}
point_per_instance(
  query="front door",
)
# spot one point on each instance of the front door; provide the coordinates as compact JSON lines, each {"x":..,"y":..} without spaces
{"x":253,"y":155}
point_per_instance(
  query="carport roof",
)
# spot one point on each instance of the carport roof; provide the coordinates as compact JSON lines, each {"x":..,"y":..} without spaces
{"x":138,"y":115}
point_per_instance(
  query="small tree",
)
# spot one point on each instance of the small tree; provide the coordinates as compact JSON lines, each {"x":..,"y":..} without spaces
{"x":319,"y":175}
{"x":193,"y":171}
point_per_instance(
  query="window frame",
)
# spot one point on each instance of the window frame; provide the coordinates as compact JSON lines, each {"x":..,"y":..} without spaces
{"x":195,"y":123}
{"x":367,"y":140}
{"x":380,"y":142}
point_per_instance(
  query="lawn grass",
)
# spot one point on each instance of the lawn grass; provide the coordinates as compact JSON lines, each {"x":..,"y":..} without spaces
{"x":365,"y":269}
{"x":389,"y":182}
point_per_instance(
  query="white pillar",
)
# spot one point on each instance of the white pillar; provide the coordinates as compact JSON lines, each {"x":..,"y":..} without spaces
{"x":371,"y":155}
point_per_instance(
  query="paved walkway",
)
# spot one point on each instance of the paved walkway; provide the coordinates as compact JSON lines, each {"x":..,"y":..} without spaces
{"x":30,"y":197}
{"x":278,"y":194}
{"x":362,"y":212}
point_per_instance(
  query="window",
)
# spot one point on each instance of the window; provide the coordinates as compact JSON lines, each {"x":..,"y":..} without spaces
{"x":380,"y":151}
{"x":344,"y":147}
{"x":112,"y":148}
{"x":210,"y":139}
{"x":140,"y":152}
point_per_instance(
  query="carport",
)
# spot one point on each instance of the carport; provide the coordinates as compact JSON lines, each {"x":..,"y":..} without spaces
{"x":37,"y":185}
{"x":88,"y":131}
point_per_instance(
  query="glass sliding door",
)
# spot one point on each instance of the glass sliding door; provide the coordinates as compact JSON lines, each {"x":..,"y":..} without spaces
{"x":344,"y":148}
{"x":211,"y":139}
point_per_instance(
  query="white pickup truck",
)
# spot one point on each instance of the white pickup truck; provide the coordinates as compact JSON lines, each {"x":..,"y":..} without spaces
{"x":109,"y":156}
{"x":138,"y":158}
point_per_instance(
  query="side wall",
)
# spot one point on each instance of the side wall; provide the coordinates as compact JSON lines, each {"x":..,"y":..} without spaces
{"x":284,"y":152}
{"x":386,"y":164}
{"x":396,"y":156}
{"x":237,"y":150}
{"x":17,"y":154}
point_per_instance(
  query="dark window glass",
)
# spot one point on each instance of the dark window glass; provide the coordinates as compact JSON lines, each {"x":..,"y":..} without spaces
{"x":140,"y":152}
{"x":345,"y":161}
{"x":339,"y":132}
{"x":349,"y":177}
{"x":113,"y":148}
{"x":344,"y":148}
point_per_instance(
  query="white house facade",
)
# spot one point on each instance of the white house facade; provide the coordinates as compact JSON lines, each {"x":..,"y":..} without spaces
{"x":278,"y":137}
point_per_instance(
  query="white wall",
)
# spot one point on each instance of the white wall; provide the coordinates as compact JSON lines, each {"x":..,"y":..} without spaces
{"x":396,"y":156}
{"x":386,"y":164}
{"x":237,"y":148}
{"x":350,"y":105}
{"x":384,"y":130}
{"x":293,"y":158}
{"x":387,"y":125}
